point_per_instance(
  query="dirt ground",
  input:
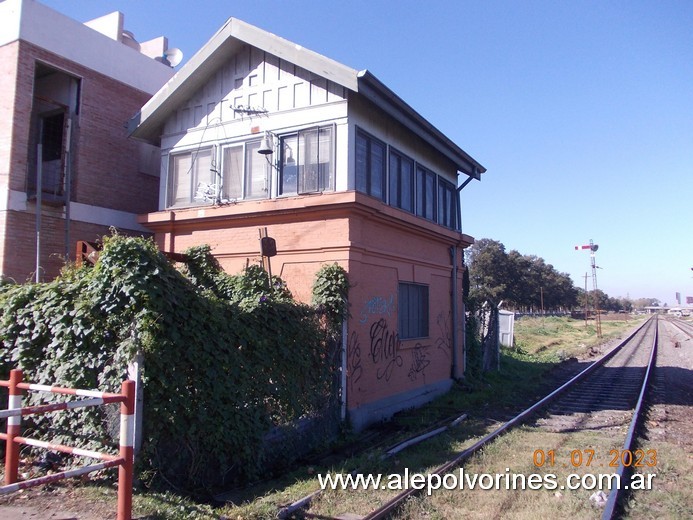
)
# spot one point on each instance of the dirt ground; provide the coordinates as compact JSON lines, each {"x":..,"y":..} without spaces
{"x":670,"y":423}
{"x":65,"y":501}
{"x":669,"y":430}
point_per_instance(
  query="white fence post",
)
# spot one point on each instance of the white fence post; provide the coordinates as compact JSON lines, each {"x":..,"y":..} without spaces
{"x":135,"y":368}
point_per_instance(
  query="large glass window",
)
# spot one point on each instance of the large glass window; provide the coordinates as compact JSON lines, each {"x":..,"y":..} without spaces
{"x":244,"y":172}
{"x":191,"y":178}
{"x":401,"y":181}
{"x":307,"y":163}
{"x":370,"y":165}
{"x":412,"y":311}
{"x":447,"y":204}
{"x":425,"y":193}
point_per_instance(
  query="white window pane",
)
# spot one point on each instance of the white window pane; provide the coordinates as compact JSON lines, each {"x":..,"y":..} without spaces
{"x":325,"y":159}
{"x":180,"y":174}
{"x":203,"y":166}
{"x":203,"y":180}
{"x":308,"y":161}
{"x":256,"y":172}
{"x":233,"y":172}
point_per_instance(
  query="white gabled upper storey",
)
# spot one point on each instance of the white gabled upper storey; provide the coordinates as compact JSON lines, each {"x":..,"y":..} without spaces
{"x":232,"y":40}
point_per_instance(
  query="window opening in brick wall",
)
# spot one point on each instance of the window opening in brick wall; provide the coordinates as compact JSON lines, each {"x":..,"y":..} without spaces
{"x":55,"y":105}
{"x":412,"y":311}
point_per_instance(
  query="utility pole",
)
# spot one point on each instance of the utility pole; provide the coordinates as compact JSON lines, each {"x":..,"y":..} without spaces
{"x":585,"y":300}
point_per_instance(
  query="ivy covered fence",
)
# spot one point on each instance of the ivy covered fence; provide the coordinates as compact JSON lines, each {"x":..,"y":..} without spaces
{"x":226,"y":357}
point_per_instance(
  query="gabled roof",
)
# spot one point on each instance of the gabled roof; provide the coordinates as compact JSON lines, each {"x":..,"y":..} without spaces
{"x":147,"y":124}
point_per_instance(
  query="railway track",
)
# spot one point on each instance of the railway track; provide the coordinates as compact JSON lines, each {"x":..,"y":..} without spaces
{"x":607,"y":396}
{"x":686,"y":327}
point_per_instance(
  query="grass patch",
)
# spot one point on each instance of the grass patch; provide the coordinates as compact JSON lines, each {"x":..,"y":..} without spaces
{"x":489,"y":399}
{"x":564,"y":337}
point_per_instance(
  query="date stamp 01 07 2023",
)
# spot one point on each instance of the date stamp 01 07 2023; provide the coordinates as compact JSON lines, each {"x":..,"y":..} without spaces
{"x":586,"y":458}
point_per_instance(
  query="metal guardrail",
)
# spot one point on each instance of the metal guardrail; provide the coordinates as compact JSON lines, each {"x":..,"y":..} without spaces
{"x":14,"y":440}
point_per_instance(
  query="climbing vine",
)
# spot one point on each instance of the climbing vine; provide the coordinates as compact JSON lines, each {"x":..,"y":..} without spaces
{"x":227,"y":357}
{"x":330,"y":293}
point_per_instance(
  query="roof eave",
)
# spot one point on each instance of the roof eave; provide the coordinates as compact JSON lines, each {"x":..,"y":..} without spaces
{"x":385,"y":99}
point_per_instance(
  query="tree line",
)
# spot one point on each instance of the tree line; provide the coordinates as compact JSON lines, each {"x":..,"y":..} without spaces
{"x":526,"y":283}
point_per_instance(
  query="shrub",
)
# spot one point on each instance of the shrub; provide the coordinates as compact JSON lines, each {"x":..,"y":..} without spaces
{"x":226,"y":357}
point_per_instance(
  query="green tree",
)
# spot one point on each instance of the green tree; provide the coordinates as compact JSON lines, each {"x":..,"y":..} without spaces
{"x":521,"y":281}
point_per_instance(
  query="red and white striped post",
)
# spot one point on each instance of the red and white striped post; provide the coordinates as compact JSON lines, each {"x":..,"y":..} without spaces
{"x":127,"y":441}
{"x":14,"y":425}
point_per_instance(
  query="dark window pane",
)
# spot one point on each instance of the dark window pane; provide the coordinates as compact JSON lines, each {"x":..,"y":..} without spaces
{"x":361,"y":163}
{"x":407,"y":185}
{"x":377,"y":170}
{"x":288,"y":181}
{"x":412,"y":311}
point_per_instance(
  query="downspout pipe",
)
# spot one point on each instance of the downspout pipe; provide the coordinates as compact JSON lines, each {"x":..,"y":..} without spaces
{"x":39,"y":204}
{"x":453,"y":295}
{"x":68,"y":187}
{"x":453,"y":285}
{"x":343,"y":374}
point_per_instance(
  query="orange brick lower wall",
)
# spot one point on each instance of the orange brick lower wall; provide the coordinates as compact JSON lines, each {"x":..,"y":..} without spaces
{"x":19,"y":243}
{"x":383,"y":373}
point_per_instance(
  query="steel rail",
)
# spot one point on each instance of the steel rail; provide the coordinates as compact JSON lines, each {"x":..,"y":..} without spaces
{"x":395,"y":502}
{"x":683,"y":326}
{"x":612,"y":502}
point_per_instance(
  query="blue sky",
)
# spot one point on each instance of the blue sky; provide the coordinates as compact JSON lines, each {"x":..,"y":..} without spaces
{"x":581,"y":111}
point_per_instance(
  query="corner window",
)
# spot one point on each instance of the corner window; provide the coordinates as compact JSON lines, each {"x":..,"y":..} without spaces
{"x":412,"y":311}
{"x":370,"y":166}
{"x":425,"y":193}
{"x":401,"y":181}
{"x":307,"y":162}
{"x":191,"y":178}
{"x":447,"y":205}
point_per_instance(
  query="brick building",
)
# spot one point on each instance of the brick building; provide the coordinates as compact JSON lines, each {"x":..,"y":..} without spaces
{"x":257,"y":132}
{"x":69,"y":88}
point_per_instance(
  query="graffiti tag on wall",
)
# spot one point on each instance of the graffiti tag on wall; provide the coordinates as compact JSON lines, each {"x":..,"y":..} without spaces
{"x":444,"y":341}
{"x":354,"y":368}
{"x":419,"y":362}
{"x":384,"y":351}
{"x":377,"y":305}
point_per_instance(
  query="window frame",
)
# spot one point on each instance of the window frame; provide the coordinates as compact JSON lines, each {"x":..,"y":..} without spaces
{"x":324,"y":180}
{"x":396,"y":181}
{"x":368,"y":175}
{"x":173,"y":176}
{"x":244,"y":183}
{"x":423,"y":196}
{"x":448,"y":216}
{"x":413,"y":311}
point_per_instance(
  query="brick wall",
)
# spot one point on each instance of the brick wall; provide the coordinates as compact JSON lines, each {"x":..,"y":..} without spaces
{"x":8,"y":82}
{"x":104,"y":161}
{"x":380,"y":247}
{"x":20,"y":232}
